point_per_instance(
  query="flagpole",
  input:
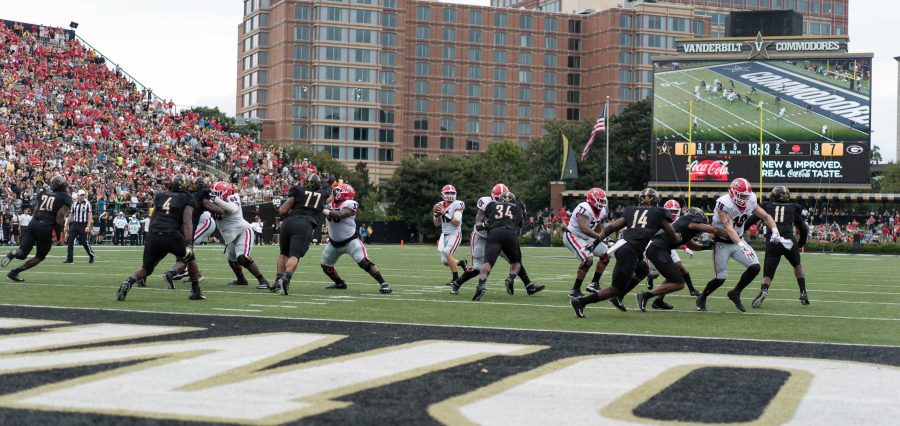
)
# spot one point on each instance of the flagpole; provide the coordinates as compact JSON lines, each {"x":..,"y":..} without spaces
{"x":760,"y":149}
{"x":606,"y":125}
{"x":690,"y":144}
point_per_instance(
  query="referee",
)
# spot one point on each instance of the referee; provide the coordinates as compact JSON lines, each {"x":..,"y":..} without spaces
{"x":79,"y":224}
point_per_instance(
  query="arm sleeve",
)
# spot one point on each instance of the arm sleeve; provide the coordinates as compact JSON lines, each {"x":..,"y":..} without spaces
{"x":225,"y":205}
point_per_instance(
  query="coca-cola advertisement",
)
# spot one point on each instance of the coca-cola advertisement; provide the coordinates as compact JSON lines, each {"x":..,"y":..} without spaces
{"x":703,"y":170}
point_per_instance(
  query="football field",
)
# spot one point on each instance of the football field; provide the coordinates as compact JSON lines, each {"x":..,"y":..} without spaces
{"x":721,"y":120}
{"x":854,"y":299}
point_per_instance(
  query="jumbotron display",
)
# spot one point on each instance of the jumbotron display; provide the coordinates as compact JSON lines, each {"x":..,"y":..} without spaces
{"x":813,"y":115}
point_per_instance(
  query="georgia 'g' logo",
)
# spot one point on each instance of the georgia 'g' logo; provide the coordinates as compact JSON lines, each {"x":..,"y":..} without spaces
{"x":855,"y":149}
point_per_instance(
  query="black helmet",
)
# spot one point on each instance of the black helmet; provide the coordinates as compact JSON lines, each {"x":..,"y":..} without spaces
{"x":200,"y":183}
{"x":508,"y":197}
{"x":648,"y":197}
{"x":694,"y":211}
{"x":780,"y":193}
{"x":312,"y":182}
{"x":58,"y":183}
{"x":178,"y":184}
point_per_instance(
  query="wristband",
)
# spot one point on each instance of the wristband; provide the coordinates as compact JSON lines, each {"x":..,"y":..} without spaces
{"x":326,"y":212}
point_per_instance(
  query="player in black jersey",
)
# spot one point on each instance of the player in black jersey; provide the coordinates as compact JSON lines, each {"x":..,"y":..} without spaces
{"x":303,"y":207}
{"x":787,"y":215}
{"x":659,"y":252}
{"x":201,"y":193}
{"x":171,"y":232}
{"x":51,"y":209}
{"x":641,"y":223}
{"x":504,"y":219}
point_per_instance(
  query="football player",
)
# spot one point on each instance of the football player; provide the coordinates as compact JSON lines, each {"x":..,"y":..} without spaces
{"x":731,"y":214}
{"x":204,"y":226}
{"x":787,"y":215}
{"x":661,"y":254}
{"x":504,"y":219}
{"x":477,"y":245}
{"x":582,"y":238}
{"x":303,"y":207}
{"x":52,"y":206}
{"x":236,"y":234}
{"x":674,"y":209}
{"x":641,"y":223}
{"x":171,"y":232}
{"x":448,"y":215}
{"x":343,"y":238}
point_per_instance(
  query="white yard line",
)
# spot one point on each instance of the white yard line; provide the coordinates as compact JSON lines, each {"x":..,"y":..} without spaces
{"x":729,"y":112}
{"x":667,"y":126}
{"x":858,"y":96}
{"x":698,"y":118}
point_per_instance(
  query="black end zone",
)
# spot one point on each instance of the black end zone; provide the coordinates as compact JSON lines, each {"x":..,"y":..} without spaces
{"x":716,"y":395}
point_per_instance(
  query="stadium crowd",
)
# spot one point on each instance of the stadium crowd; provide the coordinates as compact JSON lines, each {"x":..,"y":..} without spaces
{"x":63,"y":110}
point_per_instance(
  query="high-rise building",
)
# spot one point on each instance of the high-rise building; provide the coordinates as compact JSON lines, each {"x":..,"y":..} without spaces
{"x":379,"y":80}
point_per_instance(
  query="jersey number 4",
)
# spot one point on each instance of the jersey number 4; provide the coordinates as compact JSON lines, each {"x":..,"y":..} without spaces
{"x":503,"y":211}
{"x":639,"y":219}
{"x":167,"y":205}
{"x":47,"y":203}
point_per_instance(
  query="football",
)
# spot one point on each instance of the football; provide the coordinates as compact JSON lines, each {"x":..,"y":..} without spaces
{"x":438,"y":207}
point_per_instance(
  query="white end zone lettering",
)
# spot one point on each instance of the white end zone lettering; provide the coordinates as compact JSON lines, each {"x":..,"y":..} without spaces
{"x":606,"y":388}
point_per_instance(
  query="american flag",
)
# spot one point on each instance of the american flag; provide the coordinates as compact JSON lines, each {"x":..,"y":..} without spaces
{"x":599,"y":126}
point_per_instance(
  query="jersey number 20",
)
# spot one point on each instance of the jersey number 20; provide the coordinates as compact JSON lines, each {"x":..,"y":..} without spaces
{"x":47,"y":203}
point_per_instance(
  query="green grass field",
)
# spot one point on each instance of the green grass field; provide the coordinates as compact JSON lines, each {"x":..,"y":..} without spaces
{"x":720,"y":120}
{"x":855,"y":299}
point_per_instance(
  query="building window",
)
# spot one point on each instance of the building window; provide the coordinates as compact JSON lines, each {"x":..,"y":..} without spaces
{"x":388,"y":58}
{"x":549,"y":60}
{"x":423,"y":32}
{"x":448,"y":70}
{"x":574,"y":26}
{"x":333,"y":14}
{"x":525,"y":58}
{"x":420,"y":123}
{"x":361,"y":114}
{"x":574,"y":62}
{"x":572,"y":114}
{"x":474,"y":54}
{"x":388,"y":97}
{"x":574,"y":44}
{"x":524,"y":76}
{"x":301,"y":13}
{"x":299,"y":131}
{"x":301,"y":112}
{"x":423,"y":13}
{"x":420,"y":87}
{"x":524,"y":129}
{"x":473,"y":145}
{"x":301,"y":92}
{"x":333,"y":151}
{"x":473,"y":126}
{"x":500,"y":92}
{"x":525,"y":40}
{"x":550,"y":24}
{"x":388,"y":77}
{"x":500,"y":57}
{"x":448,"y":107}
{"x":385,"y":154}
{"x":500,"y":74}
{"x":524,"y":93}
{"x":360,"y":133}
{"x":386,"y":116}
{"x":498,"y":110}
{"x":526,"y":22}
{"x":524,"y":111}
{"x":549,"y":113}
{"x":549,"y":42}
{"x":448,"y":125}
{"x":420,"y":141}
{"x":420,"y":105}
{"x":448,"y":52}
{"x":389,"y":20}
{"x":498,"y":128}
{"x":360,"y":153}
{"x":448,"y":89}
{"x":475,"y":73}
{"x":500,"y":39}
{"x":473,"y":108}
{"x":386,"y":135}
{"x":446,"y":143}
{"x":388,"y":39}
{"x":332,"y":133}
{"x":549,"y":77}
{"x":448,"y":34}
{"x":474,"y":36}
{"x":573,"y":96}
{"x":573,"y":79}
{"x":501,"y":20}
{"x":475,"y":17}
{"x":549,"y":95}
{"x":449,"y":16}
{"x":421,"y":68}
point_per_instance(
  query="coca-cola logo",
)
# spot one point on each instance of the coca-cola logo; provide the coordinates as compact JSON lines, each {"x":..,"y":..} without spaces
{"x":709,"y":170}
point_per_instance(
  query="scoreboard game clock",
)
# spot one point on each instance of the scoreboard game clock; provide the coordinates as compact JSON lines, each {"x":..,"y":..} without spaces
{"x":785,"y":111}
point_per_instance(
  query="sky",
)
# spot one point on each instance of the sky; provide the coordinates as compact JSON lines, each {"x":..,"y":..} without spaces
{"x":186,"y":50}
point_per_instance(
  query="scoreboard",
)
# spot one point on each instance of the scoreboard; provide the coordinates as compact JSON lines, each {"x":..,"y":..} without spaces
{"x":798,"y":164}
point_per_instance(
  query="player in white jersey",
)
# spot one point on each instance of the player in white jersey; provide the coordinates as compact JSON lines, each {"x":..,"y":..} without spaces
{"x":448,"y":215}
{"x":731,"y":213}
{"x":477,"y":244}
{"x":343,"y":238}
{"x":584,"y":241}
{"x":236,"y":235}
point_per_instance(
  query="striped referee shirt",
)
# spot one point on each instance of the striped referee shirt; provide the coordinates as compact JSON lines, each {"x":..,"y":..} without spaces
{"x":81,"y":211}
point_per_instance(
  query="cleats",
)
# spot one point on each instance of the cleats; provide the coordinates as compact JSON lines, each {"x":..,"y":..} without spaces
{"x":576,"y":293}
{"x":510,"y":287}
{"x":617,"y":302}
{"x":337,"y":286}
{"x":532,"y":288}
{"x":694,"y":292}
{"x":454,"y":287}
{"x":179,"y":276}
{"x":142,"y":282}
{"x":263,"y":284}
{"x":593,"y":287}
{"x":13,"y":275}
{"x":197,"y":295}
{"x":804,"y":299}
{"x":759,"y":299}
{"x":170,"y":281}
{"x":123,"y":291}
{"x":6,"y":259}
{"x":285,"y":284}
{"x":385,"y":288}
{"x":736,"y":299}
{"x":578,"y":306}
{"x":479,"y":291}
{"x":239,"y":282}
{"x":91,"y":259}
{"x":662,"y":304}
{"x":642,"y":302}
{"x":701,"y":303}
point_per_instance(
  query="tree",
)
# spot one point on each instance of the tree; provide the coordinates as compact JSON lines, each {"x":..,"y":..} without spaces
{"x":890,"y":179}
{"x":227,"y":123}
{"x":875,"y":157}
